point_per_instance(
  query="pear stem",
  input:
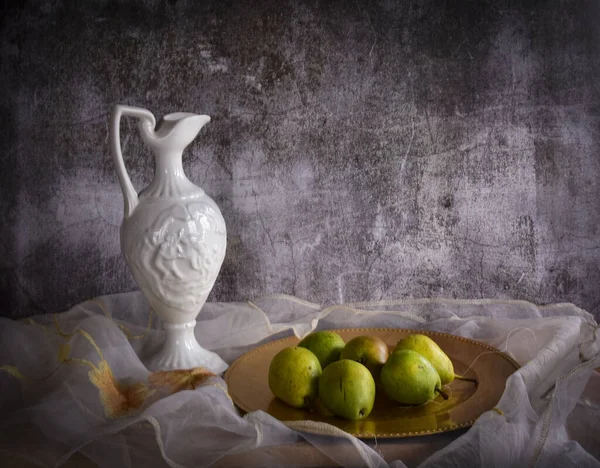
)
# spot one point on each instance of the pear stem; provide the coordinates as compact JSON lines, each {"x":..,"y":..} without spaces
{"x":443,"y":393}
{"x":466,"y":379}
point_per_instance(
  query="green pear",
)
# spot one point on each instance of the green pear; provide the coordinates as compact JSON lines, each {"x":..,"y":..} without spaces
{"x":409,"y":378}
{"x":294,"y":376}
{"x":370,"y":351}
{"x":326,"y":345}
{"x":425,"y":346}
{"x":347,"y":389}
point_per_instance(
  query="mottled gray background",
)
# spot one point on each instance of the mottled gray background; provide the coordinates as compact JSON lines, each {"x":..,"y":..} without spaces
{"x":358,"y":150}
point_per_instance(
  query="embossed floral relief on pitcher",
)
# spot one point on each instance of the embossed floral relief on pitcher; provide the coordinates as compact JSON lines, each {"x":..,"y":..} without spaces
{"x":175,"y":259}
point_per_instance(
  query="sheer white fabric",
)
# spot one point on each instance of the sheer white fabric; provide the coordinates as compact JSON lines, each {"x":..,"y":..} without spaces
{"x":58,"y":395}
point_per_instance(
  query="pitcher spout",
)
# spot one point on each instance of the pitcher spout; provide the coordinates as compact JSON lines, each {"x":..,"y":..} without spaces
{"x":175,"y":131}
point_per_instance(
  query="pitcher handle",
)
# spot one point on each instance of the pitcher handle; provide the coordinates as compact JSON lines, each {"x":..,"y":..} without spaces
{"x":147,"y":120}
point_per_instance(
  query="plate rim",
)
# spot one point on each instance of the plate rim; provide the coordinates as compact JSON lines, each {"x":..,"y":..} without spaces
{"x":387,"y":435}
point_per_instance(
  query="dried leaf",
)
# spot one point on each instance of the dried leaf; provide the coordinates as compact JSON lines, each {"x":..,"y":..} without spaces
{"x":63,"y":352}
{"x":12,"y":370}
{"x":118,"y":401}
{"x":177,"y":380}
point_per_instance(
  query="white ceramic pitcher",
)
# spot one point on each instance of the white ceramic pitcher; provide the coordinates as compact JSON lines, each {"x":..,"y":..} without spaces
{"x":173,"y":236}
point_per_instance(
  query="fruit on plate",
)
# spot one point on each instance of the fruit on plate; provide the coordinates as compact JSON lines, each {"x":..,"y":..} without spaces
{"x":370,"y":351}
{"x":347,"y":389}
{"x":294,"y":376}
{"x":326,"y":345}
{"x":409,"y":378}
{"x":425,"y":346}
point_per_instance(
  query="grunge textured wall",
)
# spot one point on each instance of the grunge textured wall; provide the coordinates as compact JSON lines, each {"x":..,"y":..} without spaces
{"x":358,"y":150}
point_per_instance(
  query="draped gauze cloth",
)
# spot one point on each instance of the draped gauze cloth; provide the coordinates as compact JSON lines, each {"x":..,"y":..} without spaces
{"x":76,"y":382}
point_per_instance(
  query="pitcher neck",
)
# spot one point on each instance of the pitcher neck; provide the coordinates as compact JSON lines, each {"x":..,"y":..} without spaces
{"x":168,"y":163}
{"x":170,"y":179}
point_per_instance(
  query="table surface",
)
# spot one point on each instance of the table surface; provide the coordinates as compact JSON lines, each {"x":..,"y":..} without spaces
{"x":410,"y":451}
{"x":523,"y":343}
{"x":305,"y":455}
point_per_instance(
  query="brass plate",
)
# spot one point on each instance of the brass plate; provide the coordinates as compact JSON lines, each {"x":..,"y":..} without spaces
{"x":247,"y":380}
